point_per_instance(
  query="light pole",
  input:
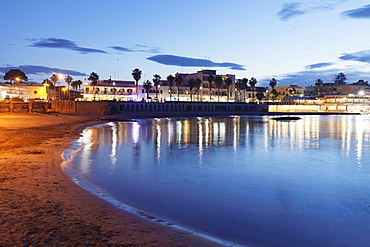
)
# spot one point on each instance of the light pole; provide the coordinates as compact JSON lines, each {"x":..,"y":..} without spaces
{"x":64,"y":89}
{"x":18,"y":79}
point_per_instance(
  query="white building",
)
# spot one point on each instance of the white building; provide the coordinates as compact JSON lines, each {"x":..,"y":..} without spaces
{"x":25,"y":91}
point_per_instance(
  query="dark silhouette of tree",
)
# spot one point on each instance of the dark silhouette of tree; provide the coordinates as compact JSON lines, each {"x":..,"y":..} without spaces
{"x":252,"y":83}
{"x":198,"y":84}
{"x":228,"y":83}
{"x":178,"y":81}
{"x":15,"y":73}
{"x":94,"y":78}
{"x":147,"y":86}
{"x":239,"y":87}
{"x":54,"y":78}
{"x":170,"y":79}
{"x":273,"y":83}
{"x":156,"y":81}
{"x":260,"y":95}
{"x":49,"y":83}
{"x":340,"y":79}
{"x":218,"y":84}
{"x":318,"y":84}
{"x":191,"y":85}
{"x":362,"y":82}
{"x":76,"y":84}
{"x":136,"y":73}
{"x":68,"y":79}
{"x":245,"y":83}
{"x":210,"y":80}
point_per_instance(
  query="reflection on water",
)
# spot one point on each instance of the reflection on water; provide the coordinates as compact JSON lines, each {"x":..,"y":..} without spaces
{"x":302,"y":181}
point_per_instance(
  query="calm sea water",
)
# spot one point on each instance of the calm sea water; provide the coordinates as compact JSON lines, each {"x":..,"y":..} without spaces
{"x":248,"y":180}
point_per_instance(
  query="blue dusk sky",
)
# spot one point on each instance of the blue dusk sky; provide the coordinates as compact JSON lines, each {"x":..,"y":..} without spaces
{"x":294,"y":42}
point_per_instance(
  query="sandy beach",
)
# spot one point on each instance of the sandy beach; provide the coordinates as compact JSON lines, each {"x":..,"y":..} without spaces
{"x":41,"y":206}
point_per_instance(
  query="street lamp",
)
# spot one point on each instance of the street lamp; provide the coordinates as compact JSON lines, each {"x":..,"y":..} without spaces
{"x":64,"y":89}
{"x":19,"y":86}
{"x":47,"y":90}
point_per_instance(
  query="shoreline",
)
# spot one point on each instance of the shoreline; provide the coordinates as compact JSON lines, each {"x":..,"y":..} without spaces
{"x":41,"y":205}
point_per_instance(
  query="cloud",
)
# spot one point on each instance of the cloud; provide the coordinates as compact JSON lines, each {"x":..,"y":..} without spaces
{"x":192,"y":62}
{"x":137,"y":48}
{"x":63,"y":44}
{"x":363,"y":12}
{"x":361,"y":56}
{"x":318,"y":65}
{"x":290,"y":10}
{"x":121,"y":49}
{"x":37,"y":70}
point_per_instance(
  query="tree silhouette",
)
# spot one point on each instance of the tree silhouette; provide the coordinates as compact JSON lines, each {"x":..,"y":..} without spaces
{"x":198,"y":84}
{"x":340,"y":79}
{"x":147,"y":86}
{"x":156,"y":81}
{"x":76,"y":84}
{"x":318,"y":84}
{"x":94,"y":78}
{"x":170,"y":79}
{"x":15,"y":73}
{"x":252,"y":83}
{"x":273,"y":83}
{"x":228,"y":83}
{"x":245,"y":83}
{"x":210,"y":80}
{"x":136,"y":73}
{"x":239,"y":86}
{"x":68,"y":79}
{"x":218,"y":84}
{"x":178,"y":82}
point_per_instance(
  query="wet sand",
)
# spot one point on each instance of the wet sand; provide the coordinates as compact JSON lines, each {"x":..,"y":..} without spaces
{"x":41,"y":206}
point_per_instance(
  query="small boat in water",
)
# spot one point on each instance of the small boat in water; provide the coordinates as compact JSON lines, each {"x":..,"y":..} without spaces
{"x":286,"y":118}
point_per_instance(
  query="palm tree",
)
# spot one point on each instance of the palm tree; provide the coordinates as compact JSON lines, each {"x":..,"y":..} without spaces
{"x":245,"y":83}
{"x":260,"y":95}
{"x":218,"y":83}
{"x":147,"y":86}
{"x":273,"y":83}
{"x":198,"y":84}
{"x":94,"y":78}
{"x":170,"y":79}
{"x":76,"y":84}
{"x":68,"y":79}
{"x":318,"y":84}
{"x":239,"y":86}
{"x":136,"y":73}
{"x":228,"y":82}
{"x":191,"y":85}
{"x":156,"y":81}
{"x":210,"y":80}
{"x":178,"y":82}
{"x":252,"y":83}
{"x":54,"y":78}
